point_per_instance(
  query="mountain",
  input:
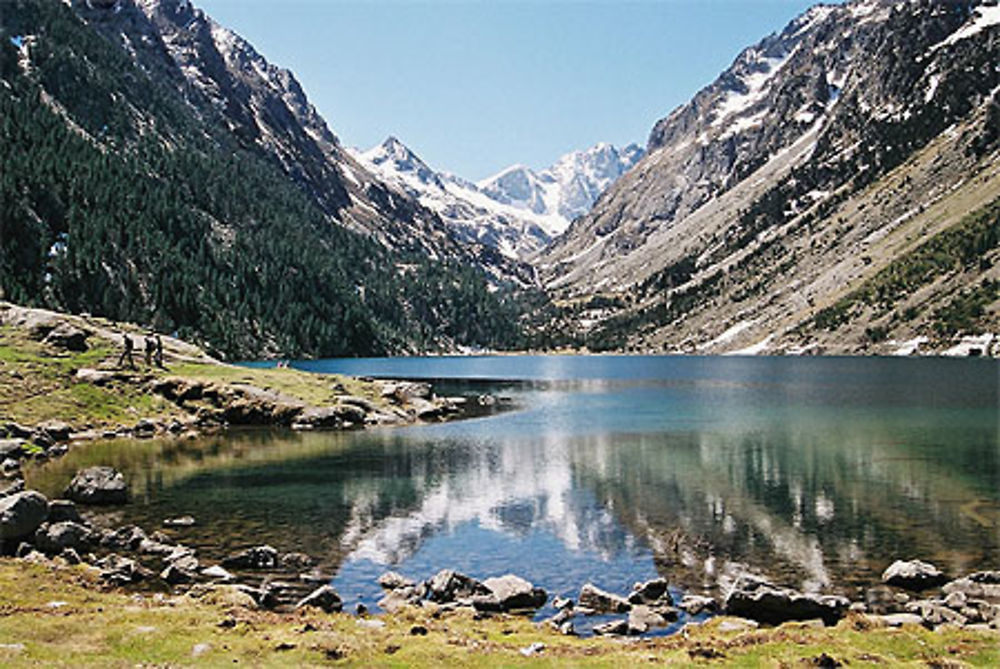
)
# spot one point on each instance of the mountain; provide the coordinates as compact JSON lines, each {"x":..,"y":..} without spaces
{"x":565,"y":190}
{"x":516,"y":212}
{"x":157,"y":169}
{"x":835,"y":190}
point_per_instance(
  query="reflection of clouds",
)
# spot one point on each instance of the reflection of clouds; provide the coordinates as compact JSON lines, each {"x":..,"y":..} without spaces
{"x":509,"y":488}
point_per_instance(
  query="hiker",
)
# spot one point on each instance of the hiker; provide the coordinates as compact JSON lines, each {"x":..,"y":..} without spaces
{"x":150,"y":347}
{"x":159,"y":352}
{"x":126,"y":353}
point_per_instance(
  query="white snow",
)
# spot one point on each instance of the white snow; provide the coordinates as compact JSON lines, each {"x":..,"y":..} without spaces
{"x":910,"y":347}
{"x":756,"y":88}
{"x":755,"y":349}
{"x":968,"y":344}
{"x":932,"y":86}
{"x":727,"y":335}
{"x":983,"y":18}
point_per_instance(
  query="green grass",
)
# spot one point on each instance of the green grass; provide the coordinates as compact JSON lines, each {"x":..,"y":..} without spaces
{"x":94,"y":627}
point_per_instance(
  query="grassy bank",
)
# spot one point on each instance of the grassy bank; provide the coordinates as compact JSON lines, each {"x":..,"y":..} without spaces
{"x":58,"y":616}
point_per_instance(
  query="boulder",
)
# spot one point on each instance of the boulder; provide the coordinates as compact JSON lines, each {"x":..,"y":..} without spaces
{"x":257,"y":557}
{"x":295,"y":561}
{"x":120,"y":570}
{"x":514,"y":593}
{"x":63,"y":510}
{"x":399,"y":598}
{"x":125,"y":538}
{"x":651,"y":591}
{"x":55,"y":430}
{"x":935,"y":613}
{"x":601,"y":601}
{"x":98,"y":485}
{"x":21,"y":514}
{"x":984,"y":585}
{"x":641,"y":618}
{"x":67,"y":337}
{"x":759,"y":600}
{"x":324,"y":598}
{"x":17,"y":431}
{"x":218,"y":573}
{"x":695,"y":605}
{"x":448,"y":585}
{"x":175,"y":575}
{"x":913,"y":575}
{"x":54,"y":538}
{"x":390,"y":580}
{"x":12,"y":448}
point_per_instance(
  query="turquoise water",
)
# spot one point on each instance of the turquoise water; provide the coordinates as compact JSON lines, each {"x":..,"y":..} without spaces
{"x":817,"y":472}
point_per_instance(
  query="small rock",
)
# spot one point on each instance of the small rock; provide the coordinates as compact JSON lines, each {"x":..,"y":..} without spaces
{"x":913,"y":575}
{"x":900,"y":619}
{"x":567,"y":628}
{"x":12,"y":449}
{"x":737,"y":625}
{"x":258,"y":557}
{"x":613,"y":628}
{"x":561,"y":603}
{"x":295,"y":561}
{"x":534,"y":649}
{"x":98,"y":485}
{"x":324,"y":598}
{"x":369,"y":623}
{"x":418,"y":630}
{"x":125,"y":538}
{"x":8,"y":488}
{"x":390,"y":580}
{"x":200,"y":649}
{"x":218,"y":573}
{"x":601,"y":601}
{"x":63,"y":510}
{"x":183,"y":521}
{"x":361,"y":609}
{"x":71,"y":556}
{"x":696,"y":604}
{"x":650,"y":591}
{"x":448,"y":585}
{"x":175,"y":575}
{"x":53,"y":538}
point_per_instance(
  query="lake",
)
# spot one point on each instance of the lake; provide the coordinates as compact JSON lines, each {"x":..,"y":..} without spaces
{"x":816,"y":472}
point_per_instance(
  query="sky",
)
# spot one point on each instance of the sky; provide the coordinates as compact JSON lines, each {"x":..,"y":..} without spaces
{"x":475,"y":86}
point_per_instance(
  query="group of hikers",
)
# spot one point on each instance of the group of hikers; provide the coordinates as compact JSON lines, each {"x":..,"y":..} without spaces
{"x":154,"y":351}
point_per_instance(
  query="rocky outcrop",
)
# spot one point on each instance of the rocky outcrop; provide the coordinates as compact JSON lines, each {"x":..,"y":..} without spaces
{"x":98,"y":485}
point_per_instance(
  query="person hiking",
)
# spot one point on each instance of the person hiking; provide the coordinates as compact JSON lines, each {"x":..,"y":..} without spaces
{"x":159,"y":352}
{"x":126,"y":352}
{"x":150,"y":347}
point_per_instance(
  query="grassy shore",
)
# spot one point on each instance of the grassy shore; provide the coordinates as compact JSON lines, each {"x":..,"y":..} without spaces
{"x":56,"y":615}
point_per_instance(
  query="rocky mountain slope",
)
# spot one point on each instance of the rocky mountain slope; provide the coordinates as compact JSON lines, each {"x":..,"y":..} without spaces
{"x":834,"y":190}
{"x":517,"y":211}
{"x":158,"y":170}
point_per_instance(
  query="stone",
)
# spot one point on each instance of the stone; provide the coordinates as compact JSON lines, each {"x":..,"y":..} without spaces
{"x":913,"y":575}
{"x":650,"y":591}
{"x":295,"y":561}
{"x":395,"y":601}
{"x":257,"y":557}
{"x":759,"y":600}
{"x":125,"y":538}
{"x":324,"y":598}
{"x":737,"y":625}
{"x":56,"y":430}
{"x":175,"y":575}
{"x":120,"y":570}
{"x":601,"y":601}
{"x":11,"y":467}
{"x":514,"y":593}
{"x":99,"y":486}
{"x":63,"y":510}
{"x":448,"y":585}
{"x":218,"y":573}
{"x":983,"y":585}
{"x":21,"y":514}
{"x":98,"y":377}
{"x":532,"y":650}
{"x":641,"y":618}
{"x":956,"y":600}
{"x":613,"y":628}
{"x":695,"y":605}
{"x":54,"y":538}
{"x":67,"y":337}
{"x":391,"y":580}
{"x":561,"y":603}
{"x":71,"y":556}
{"x":8,"y":488}
{"x":182,"y":521}
{"x":12,"y":448}
{"x":934,"y":614}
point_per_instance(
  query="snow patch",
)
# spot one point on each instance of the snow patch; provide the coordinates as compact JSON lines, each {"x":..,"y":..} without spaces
{"x":910,"y":347}
{"x":755,"y":349}
{"x":971,"y":345}
{"x":727,"y":335}
{"x":983,"y":18}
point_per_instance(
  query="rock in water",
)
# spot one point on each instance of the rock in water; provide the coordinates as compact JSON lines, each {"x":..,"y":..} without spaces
{"x":98,"y":485}
{"x":324,"y":598}
{"x":21,"y":514}
{"x":513,"y":592}
{"x":601,"y":601}
{"x":913,"y":575}
{"x":448,"y":585}
{"x":258,"y":557}
{"x":391,"y":580}
{"x":651,"y":591}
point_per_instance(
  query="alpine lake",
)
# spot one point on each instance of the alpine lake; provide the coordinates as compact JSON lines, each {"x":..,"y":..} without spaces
{"x":815,"y":472}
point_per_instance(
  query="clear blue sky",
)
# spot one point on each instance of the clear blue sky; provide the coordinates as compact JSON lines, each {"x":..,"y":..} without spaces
{"x":473,"y":87}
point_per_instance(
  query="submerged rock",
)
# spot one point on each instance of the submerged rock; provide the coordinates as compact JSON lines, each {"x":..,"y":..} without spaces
{"x":913,"y":575}
{"x":98,"y":485}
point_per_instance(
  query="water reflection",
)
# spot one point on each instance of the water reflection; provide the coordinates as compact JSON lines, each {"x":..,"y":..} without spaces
{"x":817,"y":476}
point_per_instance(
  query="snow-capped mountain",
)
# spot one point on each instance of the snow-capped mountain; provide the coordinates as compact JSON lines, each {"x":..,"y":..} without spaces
{"x":517,"y":211}
{"x":567,"y":189}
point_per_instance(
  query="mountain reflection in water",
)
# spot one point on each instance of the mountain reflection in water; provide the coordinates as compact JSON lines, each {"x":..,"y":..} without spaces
{"x":817,"y":473}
